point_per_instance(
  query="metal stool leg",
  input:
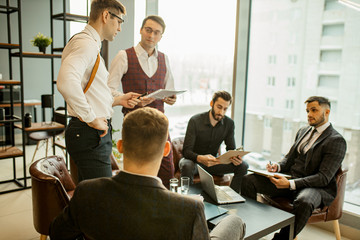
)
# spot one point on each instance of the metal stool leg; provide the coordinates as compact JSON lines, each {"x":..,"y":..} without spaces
{"x":46,"y":151}
{"x":37,"y":147}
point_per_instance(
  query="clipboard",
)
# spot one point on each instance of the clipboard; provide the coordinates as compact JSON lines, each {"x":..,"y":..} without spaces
{"x":225,"y":158}
{"x":269,"y":174}
{"x":163,"y":93}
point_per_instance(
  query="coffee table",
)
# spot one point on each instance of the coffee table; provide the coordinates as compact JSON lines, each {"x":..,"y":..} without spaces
{"x":260,"y":219}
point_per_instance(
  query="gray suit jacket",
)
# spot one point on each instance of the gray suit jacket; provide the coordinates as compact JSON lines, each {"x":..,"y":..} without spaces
{"x":322,"y":162}
{"x":129,"y":206}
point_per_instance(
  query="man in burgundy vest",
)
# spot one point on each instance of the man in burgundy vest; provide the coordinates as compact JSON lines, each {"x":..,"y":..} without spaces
{"x":143,"y":69}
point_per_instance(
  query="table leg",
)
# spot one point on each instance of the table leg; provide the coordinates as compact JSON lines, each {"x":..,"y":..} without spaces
{"x":291,"y":232}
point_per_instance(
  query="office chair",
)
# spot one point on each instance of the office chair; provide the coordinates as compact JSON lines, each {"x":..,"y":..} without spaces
{"x":52,"y":189}
{"x":177,"y":146}
{"x":325,"y":214}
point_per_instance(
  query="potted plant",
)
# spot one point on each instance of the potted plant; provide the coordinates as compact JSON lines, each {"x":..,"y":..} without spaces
{"x":117,"y":155}
{"x":41,"y":41}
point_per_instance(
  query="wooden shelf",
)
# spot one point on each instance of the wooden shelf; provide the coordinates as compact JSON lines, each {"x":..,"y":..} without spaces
{"x":71,"y":17}
{"x":10,"y":82}
{"x":41,"y":126}
{"x":12,"y":120}
{"x":26,"y":104}
{"x":36,"y":55}
{"x":9,"y":46}
{"x":9,"y":152}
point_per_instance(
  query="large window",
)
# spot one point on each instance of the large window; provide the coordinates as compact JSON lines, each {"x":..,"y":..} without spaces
{"x":317,"y":52}
{"x":199,"y":41}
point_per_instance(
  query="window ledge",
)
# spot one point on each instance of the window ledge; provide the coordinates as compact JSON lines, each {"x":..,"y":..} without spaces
{"x":351,"y":215}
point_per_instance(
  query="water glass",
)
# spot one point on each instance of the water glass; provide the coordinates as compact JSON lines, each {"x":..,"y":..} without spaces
{"x":174,"y":183}
{"x":185,"y":182}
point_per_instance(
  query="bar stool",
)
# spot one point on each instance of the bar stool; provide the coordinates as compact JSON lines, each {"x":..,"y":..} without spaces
{"x":44,"y":136}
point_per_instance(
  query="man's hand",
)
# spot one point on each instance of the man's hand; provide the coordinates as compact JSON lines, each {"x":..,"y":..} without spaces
{"x":236,"y":160}
{"x":145,"y":101}
{"x":100,"y":124}
{"x":272,"y":167}
{"x":170,"y":100}
{"x":208,"y":160}
{"x":280,"y":181}
{"x":128,"y":100}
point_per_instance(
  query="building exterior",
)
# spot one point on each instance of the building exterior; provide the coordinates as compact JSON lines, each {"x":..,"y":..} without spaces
{"x":301,"y":48}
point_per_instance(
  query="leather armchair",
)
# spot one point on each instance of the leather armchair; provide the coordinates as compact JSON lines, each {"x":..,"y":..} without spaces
{"x":325,"y":214}
{"x":52,"y":188}
{"x":177,"y":146}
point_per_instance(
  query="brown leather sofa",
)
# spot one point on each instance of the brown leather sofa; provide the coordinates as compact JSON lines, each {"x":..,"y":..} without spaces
{"x":325,"y":214}
{"x":177,"y":146}
{"x":52,"y":188}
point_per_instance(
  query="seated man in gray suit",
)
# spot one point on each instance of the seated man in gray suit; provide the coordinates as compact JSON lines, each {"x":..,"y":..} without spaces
{"x":135,"y":204}
{"x":313,"y":161}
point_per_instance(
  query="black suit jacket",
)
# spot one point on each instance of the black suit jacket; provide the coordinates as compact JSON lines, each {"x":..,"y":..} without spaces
{"x":130,"y":206}
{"x":322,"y":162}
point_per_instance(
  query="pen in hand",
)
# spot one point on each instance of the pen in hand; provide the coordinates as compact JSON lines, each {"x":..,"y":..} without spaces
{"x":271,"y":166}
{"x":142,"y":95}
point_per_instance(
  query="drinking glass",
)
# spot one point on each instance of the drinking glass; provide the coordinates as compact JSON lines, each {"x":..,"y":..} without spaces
{"x":185,"y":182}
{"x":174,"y":183}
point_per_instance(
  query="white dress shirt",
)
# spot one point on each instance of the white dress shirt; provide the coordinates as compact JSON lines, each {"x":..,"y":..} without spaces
{"x":316,"y":135}
{"x":149,"y":64}
{"x":78,"y":59}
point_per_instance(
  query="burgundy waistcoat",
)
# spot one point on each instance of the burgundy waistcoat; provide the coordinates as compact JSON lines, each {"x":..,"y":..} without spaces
{"x":136,"y":80}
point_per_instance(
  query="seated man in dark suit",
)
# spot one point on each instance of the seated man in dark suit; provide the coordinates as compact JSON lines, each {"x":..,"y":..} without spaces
{"x":135,"y":204}
{"x":204,"y":134}
{"x":312,"y":161}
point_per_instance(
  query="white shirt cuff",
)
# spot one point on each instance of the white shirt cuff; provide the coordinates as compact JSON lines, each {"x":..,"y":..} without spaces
{"x":292,"y":185}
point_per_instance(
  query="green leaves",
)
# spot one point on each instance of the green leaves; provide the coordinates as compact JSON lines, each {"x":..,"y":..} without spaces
{"x":40,"y":40}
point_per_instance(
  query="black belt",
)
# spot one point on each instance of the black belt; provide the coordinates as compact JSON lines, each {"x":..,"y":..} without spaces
{"x":78,"y":119}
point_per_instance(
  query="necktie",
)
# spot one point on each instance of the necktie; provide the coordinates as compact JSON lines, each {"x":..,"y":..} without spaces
{"x":303,"y":145}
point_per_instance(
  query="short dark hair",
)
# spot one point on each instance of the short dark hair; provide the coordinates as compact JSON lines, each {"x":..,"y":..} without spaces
{"x":323,"y":101}
{"x":98,"y":6}
{"x":155,"y":18}
{"x":144,"y":133}
{"x":222,"y":94}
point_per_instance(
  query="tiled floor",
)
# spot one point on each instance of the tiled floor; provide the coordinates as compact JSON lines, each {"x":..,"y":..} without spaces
{"x":16,"y":213}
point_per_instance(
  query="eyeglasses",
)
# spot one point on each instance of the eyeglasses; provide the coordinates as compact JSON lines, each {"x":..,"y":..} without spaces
{"x":120,"y":18}
{"x":149,"y":30}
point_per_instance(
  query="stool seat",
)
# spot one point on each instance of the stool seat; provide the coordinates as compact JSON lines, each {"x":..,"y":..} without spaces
{"x":41,"y":135}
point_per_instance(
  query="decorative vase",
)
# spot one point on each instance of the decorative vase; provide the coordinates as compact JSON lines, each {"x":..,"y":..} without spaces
{"x":42,"y":49}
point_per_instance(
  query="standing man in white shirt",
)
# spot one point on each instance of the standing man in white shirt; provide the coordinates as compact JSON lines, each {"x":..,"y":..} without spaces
{"x":144,"y":69}
{"x":88,"y":135}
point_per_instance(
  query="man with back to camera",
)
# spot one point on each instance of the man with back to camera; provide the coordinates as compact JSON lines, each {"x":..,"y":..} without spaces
{"x":204,"y":134}
{"x":312,"y":161}
{"x":144,"y":69}
{"x":88,"y":135}
{"x":135,"y":204}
